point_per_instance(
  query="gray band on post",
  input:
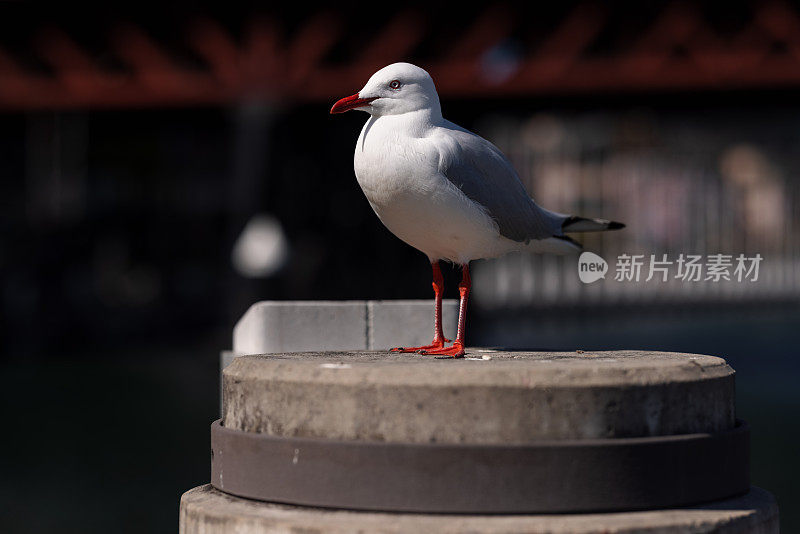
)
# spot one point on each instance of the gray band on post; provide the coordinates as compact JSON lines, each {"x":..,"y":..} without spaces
{"x":580,"y":475}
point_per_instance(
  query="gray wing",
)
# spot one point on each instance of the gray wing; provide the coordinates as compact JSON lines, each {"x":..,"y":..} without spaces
{"x":485,"y":176}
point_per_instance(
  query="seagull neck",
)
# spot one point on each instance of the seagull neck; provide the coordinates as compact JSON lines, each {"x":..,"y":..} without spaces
{"x":430,"y":115}
{"x":415,"y":120}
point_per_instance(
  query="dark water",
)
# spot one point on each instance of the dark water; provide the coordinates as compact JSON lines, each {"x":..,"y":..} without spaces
{"x":108,"y":442}
{"x":105,"y":445}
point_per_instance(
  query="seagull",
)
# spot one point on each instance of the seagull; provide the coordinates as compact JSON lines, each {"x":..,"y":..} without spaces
{"x":444,"y":190}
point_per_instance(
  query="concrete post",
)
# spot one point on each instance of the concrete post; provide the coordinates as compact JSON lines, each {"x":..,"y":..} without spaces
{"x":486,"y":407}
{"x":209,"y":511}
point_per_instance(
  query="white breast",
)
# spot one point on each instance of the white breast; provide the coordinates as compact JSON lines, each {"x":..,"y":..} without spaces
{"x":396,"y":164}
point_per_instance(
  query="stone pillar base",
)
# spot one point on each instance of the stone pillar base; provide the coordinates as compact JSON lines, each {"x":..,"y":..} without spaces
{"x":205,"y":510}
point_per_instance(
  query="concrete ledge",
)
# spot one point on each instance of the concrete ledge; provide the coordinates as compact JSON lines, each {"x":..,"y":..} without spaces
{"x":489,"y":397}
{"x":204,"y":510}
{"x":300,"y":326}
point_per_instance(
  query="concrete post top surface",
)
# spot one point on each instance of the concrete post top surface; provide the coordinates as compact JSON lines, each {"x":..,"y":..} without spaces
{"x":205,"y":509}
{"x":492,"y":396}
{"x":484,"y":367}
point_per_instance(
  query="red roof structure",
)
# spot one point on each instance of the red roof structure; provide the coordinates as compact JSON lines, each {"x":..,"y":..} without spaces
{"x":494,"y":53}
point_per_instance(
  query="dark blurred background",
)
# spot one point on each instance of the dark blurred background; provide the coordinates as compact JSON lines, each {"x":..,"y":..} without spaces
{"x":162,"y":168}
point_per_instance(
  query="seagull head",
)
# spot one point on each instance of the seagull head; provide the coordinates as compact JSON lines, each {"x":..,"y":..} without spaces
{"x":395,"y":89}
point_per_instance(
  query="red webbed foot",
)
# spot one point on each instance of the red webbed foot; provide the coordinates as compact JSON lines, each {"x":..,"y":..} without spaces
{"x":435,"y":345}
{"x":456,"y":351}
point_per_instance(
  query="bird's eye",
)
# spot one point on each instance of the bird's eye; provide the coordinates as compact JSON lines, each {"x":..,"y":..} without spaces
{"x":394,"y":84}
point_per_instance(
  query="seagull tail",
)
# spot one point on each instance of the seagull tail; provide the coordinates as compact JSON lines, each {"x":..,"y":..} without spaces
{"x":557,"y":244}
{"x":573,"y":223}
{"x":567,"y":244}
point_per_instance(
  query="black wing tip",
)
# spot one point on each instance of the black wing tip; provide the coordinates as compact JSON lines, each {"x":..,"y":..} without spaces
{"x":601,"y":224}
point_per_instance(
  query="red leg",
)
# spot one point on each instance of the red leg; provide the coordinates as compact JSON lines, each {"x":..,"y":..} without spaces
{"x":438,"y":336}
{"x":457,"y":350}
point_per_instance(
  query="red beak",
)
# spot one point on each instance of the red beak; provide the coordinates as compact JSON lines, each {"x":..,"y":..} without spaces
{"x":350,"y":102}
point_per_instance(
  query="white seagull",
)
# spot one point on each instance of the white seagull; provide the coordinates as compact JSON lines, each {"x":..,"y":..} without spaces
{"x":445,"y":190}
